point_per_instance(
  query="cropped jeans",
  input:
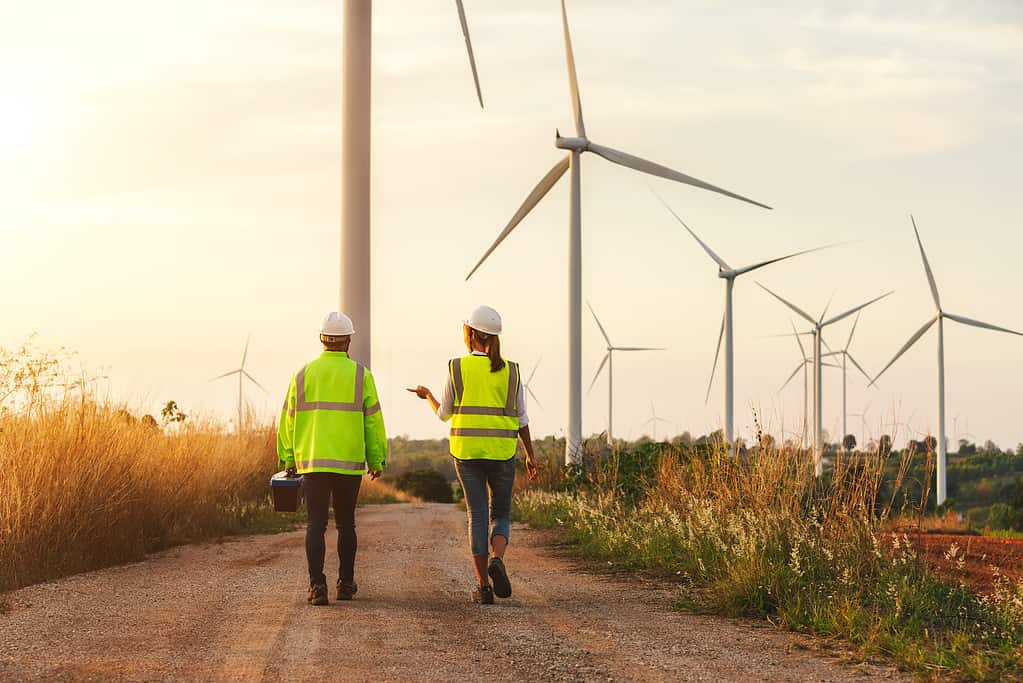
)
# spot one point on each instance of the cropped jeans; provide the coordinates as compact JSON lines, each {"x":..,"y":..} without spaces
{"x":487,"y":487}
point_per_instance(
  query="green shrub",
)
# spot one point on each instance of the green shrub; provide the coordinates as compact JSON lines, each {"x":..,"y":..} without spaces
{"x":428,"y":484}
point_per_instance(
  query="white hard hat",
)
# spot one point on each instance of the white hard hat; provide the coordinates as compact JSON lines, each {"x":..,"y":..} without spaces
{"x":485,"y":319}
{"x":337,"y":325}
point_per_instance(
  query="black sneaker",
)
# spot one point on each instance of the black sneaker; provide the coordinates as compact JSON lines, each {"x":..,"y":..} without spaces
{"x":346,"y":589}
{"x":318,"y":594}
{"x":484,"y":595}
{"x":499,"y":575}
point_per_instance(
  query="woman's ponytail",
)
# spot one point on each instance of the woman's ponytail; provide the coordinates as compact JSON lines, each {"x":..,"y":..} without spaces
{"x":494,"y":353}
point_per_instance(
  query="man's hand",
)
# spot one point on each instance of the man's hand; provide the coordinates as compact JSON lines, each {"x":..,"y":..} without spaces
{"x":292,"y":471}
{"x":531,"y":468}
{"x":421,"y":391}
{"x":374,"y":474}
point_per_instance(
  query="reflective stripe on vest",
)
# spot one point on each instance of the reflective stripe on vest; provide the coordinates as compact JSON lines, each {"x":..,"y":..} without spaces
{"x":330,"y":464}
{"x":354,"y":407}
{"x":486,"y":424}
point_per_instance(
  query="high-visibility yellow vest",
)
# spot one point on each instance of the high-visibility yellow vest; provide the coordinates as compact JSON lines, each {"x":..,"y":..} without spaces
{"x":485,"y":415}
{"x":331,"y":419}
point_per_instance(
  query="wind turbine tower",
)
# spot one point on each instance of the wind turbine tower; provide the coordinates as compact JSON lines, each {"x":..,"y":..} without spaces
{"x":356,"y":61}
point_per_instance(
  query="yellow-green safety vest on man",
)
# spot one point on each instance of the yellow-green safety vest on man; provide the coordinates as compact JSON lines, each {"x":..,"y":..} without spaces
{"x":485,"y":414}
{"x":331,"y":419}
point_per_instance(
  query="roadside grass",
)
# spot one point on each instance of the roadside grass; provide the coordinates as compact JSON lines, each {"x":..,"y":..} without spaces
{"x":84,"y":484}
{"x":760,"y":536}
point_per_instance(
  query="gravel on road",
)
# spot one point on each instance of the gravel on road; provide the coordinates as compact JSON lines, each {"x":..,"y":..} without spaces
{"x":236,"y":611}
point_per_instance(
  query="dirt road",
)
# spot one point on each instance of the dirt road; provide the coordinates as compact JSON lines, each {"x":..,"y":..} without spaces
{"x":236,"y":611}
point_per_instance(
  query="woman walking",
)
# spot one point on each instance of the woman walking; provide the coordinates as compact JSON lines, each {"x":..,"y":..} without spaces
{"x":485,"y":401}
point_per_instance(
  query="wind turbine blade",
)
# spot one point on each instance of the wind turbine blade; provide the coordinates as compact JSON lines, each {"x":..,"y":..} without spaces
{"x":533,"y":371}
{"x":977,"y":323}
{"x":927,"y":266}
{"x":792,"y":306}
{"x":857,"y":365}
{"x":542,"y":188}
{"x":826,"y":307}
{"x":746,"y":269}
{"x":792,"y":376}
{"x":714,"y":367}
{"x":644,"y":166}
{"x":853,"y":330}
{"x":253,"y":380}
{"x":783,"y":335}
{"x":245,"y":353}
{"x":602,"y":331}
{"x":573,"y":81}
{"x":905,"y":347}
{"x":639,"y":348}
{"x":597,"y":373}
{"x":802,"y":350}
{"x":858,"y":308}
{"x":226,"y":374}
{"x":532,"y":395}
{"x":710,"y":252}
{"x":468,"y":46}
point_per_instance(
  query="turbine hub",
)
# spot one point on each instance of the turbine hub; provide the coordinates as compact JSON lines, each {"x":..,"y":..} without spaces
{"x":574,"y":144}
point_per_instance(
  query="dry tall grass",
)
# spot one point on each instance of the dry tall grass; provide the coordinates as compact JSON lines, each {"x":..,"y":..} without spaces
{"x":83,"y":484}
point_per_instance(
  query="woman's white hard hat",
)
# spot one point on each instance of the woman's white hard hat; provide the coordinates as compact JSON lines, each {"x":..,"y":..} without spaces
{"x":485,"y":319}
{"x":337,"y":325}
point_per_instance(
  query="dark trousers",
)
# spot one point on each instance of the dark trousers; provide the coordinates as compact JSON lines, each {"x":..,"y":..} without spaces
{"x":318,"y":488}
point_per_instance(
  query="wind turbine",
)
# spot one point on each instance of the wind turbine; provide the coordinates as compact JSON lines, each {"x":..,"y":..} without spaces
{"x":865,"y":433}
{"x":525,"y":385}
{"x":818,"y":326}
{"x":242,"y":374}
{"x":940,"y":319}
{"x":609,"y":361}
{"x":356,"y":81}
{"x":806,"y":361}
{"x":575,"y":147}
{"x":728,"y":274}
{"x":846,"y":356}
{"x":654,"y":420}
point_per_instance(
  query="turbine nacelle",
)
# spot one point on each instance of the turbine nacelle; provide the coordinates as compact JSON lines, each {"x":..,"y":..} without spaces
{"x":578,"y":144}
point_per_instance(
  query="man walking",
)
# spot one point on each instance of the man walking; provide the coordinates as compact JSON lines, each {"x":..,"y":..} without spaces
{"x":331,"y":431}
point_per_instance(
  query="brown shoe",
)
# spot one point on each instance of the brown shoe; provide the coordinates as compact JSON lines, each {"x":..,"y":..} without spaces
{"x":346,"y":590}
{"x":318,"y":594}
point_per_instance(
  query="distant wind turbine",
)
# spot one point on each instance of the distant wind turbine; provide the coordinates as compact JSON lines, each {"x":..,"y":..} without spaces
{"x":242,"y":373}
{"x":729,"y":274}
{"x":940,"y":319}
{"x":609,"y":361}
{"x":818,"y":326}
{"x":654,"y":420}
{"x":529,"y":380}
{"x":576,"y":146}
{"x":846,"y":356}
{"x":806,"y":361}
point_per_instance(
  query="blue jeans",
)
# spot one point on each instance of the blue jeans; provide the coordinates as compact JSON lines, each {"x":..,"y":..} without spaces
{"x":478,"y":479}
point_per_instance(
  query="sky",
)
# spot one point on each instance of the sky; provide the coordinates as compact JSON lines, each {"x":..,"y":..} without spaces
{"x":169,"y":185}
